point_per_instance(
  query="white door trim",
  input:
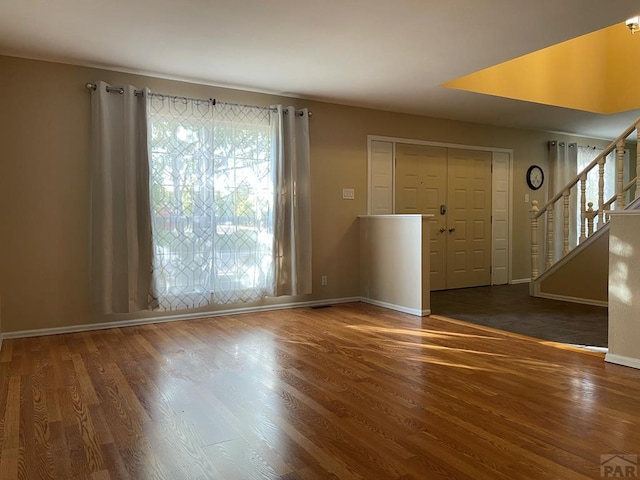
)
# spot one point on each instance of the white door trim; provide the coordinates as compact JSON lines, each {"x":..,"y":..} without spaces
{"x":501,"y":168}
{"x":411,"y":141}
{"x":395,"y":140}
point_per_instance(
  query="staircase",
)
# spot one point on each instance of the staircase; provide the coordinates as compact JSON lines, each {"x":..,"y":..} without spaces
{"x":580,"y":274}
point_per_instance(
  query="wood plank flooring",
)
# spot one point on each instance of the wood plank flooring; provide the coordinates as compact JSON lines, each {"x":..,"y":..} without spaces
{"x":348,"y":392}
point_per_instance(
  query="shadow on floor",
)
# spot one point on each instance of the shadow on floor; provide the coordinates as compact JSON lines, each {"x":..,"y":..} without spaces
{"x":510,"y":308}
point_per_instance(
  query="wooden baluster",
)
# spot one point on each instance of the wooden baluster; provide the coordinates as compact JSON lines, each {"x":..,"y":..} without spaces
{"x":565,"y":236}
{"x":534,"y":239}
{"x":637,"y":165}
{"x":583,"y":206}
{"x":601,"y":192}
{"x":590,"y":214}
{"x":620,"y":176}
{"x":549,"y":236}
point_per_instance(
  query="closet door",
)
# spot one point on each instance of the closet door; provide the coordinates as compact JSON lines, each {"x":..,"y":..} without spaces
{"x":381,"y":178}
{"x":421,"y":187}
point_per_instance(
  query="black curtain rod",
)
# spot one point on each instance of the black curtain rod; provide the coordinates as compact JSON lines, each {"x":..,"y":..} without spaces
{"x":139,"y":93}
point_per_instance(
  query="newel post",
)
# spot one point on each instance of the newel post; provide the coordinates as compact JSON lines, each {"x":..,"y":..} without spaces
{"x":637,"y":195}
{"x":620,"y":200}
{"x":550,"y":235}
{"x":565,"y":222}
{"x":534,"y":239}
{"x":601,"y":161}
{"x":583,"y":207}
{"x":590,"y":214}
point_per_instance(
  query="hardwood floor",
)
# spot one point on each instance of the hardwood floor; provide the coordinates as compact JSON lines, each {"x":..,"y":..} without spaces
{"x":510,"y":308}
{"x":349,"y":392}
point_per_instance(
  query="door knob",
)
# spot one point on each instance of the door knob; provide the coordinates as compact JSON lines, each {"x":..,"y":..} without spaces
{"x":442,"y":229}
{"x":452,"y":229}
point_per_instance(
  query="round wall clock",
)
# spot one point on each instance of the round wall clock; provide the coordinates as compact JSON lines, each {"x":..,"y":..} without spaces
{"x":535,"y":177}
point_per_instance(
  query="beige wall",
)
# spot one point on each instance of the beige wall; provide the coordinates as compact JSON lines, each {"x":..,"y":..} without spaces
{"x":44,"y":187}
{"x":394,"y":261}
{"x":584,"y":276}
{"x":624,"y":289}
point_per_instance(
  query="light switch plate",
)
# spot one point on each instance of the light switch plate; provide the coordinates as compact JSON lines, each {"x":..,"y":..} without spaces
{"x":348,"y":194}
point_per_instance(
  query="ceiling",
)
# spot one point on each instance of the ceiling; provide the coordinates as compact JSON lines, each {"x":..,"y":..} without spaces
{"x":390,"y":55}
{"x":556,"y":74}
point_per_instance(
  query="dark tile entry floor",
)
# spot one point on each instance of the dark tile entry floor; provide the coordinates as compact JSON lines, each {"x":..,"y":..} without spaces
{"x":510,"y":308}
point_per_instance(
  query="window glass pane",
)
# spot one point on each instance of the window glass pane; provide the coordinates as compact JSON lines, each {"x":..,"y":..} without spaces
{"x":212,"y":202}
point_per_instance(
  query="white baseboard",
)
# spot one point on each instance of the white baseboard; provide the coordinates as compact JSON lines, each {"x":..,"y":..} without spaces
{"x":399,"y":308}
{"x":624,"y":361}
{"x":591,"y":348}
{"x":520,"y":280}
{"x":564,"y":298}
{"x":171,"y":318}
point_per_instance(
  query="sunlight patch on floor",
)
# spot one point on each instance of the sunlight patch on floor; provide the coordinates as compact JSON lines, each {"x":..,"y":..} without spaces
{"x":418,"y":333}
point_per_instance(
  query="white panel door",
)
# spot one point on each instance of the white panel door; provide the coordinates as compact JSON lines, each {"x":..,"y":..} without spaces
{"x":421,"y":187}
{"x":464,"y":240}
{"x":381,"y":178}
{"x":500,"y":224}
{"x":469,"y":218}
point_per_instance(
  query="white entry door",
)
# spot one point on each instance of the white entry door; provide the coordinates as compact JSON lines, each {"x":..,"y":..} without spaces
{"x":468,"y":218}
{"x":421,"y":187}
{"x":455,"y":186}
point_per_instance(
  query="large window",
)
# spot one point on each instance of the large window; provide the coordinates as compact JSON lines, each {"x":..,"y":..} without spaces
{"x":212,"y":202}
{"x":194,"y":202}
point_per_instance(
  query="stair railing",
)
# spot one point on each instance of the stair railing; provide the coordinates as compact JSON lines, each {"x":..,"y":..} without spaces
{"x":560,"y":203}
{"x":614,"y":198}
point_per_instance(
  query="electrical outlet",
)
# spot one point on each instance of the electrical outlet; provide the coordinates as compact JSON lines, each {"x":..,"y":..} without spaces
{"x":323,"y":280}
{"x":348,"y":194}
{"x":526,"y":198}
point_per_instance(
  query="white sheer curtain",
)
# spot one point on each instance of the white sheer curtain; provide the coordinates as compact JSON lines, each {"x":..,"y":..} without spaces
{"x":293,"y":202}
{"x":215,"y":204}
{"x":567,"y":160}
{"x":563,"y":157}
{"x":586,"y":155}
{"x":121,"y":253}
